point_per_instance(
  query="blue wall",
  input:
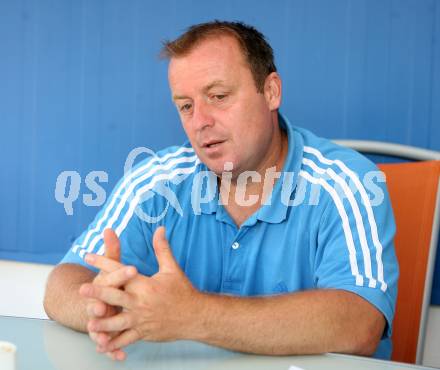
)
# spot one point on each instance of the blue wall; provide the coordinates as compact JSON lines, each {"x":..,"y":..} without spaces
{"x":81,"y":85}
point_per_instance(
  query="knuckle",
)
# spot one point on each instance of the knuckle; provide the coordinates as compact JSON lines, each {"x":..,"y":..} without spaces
{"x":113,"y":279}
{"x":127,"y":300}
{"x":94,"y":290}
{"x":130,"y":321}
{"x":125,"y":321}
{"x":137,"y":333}
{"x":89,"y":310}
{"x":102,"y":339}
{"x":91,"y":327}
{"x":120,"y":296}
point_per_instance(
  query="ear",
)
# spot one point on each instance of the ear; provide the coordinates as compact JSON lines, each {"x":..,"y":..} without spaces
{"x":272,"y":91}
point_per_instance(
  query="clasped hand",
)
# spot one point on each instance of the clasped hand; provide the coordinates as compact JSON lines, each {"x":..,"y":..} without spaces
{"x":125,"y":306}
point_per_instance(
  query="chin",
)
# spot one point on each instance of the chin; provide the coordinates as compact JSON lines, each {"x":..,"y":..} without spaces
{"x":218,"y":167}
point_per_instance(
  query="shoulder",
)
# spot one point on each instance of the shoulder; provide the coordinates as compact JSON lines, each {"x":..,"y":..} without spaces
{"x":320,"y":154}
{"x":349,"y":179}
{"x":164,"y":165}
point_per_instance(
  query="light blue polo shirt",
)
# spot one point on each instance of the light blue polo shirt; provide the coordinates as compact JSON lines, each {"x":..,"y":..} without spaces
{"x":327,"y":224}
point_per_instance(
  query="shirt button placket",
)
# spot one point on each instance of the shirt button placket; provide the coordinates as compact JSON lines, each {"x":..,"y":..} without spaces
{"x":235,"y":245}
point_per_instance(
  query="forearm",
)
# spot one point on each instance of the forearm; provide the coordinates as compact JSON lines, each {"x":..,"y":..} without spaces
{"x":62,"y":301}
{"x":301,"y":323}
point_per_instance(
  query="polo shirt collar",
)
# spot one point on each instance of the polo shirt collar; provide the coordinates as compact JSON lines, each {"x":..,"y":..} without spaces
{"x":276,"y":210}
{"x":209,"y":186}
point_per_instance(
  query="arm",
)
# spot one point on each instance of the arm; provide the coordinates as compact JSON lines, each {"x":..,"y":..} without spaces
{"x":167,"y":307}
{"x":302,"y":323}
{"x":62,"y":301}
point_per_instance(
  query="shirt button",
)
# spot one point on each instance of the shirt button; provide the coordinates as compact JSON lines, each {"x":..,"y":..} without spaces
{"x":235,"y":245}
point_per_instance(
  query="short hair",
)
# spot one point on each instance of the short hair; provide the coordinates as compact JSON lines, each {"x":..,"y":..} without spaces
{"x":256,"y":50}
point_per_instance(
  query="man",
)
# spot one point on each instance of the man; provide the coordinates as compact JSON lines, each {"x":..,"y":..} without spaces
{"x":280,"y":252}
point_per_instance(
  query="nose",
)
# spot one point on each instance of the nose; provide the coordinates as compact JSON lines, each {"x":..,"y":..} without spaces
{"x":202,"y":115}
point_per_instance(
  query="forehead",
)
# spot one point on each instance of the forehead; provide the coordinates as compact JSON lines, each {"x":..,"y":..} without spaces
{"x":212,"y":59}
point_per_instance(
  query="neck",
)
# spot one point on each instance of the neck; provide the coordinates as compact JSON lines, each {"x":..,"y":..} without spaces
{"x":267,"y":173}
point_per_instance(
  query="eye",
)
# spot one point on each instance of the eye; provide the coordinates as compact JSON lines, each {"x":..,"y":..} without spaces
{"x":185,"y":107}
{"x":217,"y":98}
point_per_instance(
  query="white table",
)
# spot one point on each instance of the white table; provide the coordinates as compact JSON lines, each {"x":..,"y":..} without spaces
{"x":46,"y":345}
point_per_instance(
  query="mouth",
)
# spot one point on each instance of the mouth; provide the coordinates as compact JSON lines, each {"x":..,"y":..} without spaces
{"x":212,"y":144}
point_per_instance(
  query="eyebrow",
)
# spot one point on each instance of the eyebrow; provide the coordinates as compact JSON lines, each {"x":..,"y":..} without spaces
{"x":213,"y":84}
{"x":179,"y":97}
{"x":205,"y":89}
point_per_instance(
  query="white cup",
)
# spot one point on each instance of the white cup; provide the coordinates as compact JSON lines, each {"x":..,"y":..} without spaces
{"x":7,"y":355}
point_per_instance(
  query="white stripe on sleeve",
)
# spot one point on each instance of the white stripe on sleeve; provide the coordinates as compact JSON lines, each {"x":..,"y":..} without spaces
{"x":367,"y":204}
{"x":129,"y":191}
{"x":345,"y":224}
{"x":357,"y":216}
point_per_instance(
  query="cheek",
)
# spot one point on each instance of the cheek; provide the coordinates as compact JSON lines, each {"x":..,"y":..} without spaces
{"x":251,"y":117}
{"x":240,"y":123}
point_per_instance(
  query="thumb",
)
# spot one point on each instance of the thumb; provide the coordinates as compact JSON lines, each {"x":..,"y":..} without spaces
{"x":163,"y":252}
{"x":112,"y":245}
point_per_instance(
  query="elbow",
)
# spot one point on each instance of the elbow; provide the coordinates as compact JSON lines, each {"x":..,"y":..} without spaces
{"x":367,"y":338}
{"x":55,"y":286}
{"x":48,"y":300}
{"x":47,"y":306}
{"x":47,"y":309}
{"x":367,"y":346}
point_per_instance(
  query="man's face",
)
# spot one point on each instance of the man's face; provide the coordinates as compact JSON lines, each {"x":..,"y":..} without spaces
{"x":223,"y":115}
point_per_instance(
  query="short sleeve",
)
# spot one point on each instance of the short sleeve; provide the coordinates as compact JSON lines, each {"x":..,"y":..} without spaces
{"x":120,"y":213}
{"x":355,"y":250}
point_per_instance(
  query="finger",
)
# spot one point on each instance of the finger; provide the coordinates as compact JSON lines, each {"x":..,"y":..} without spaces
{"x":102,"y":263}
{"x":119,"y":277}
{"x":96,"y":308}
{"x":112,"y":245}
{"x":109,"y":295}
{"x":93,"y":336}
{"x":116,"y":355}
{"x":163,"y":252}
{"x":119,"y":355}
{"x":111,"y":355}
{"x":124,"y":339}
{"x":101,"y":339}
{"x":117,"y":323}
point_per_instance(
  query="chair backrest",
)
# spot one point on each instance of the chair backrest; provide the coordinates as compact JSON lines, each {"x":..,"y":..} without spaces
{"x":414,"y":192}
